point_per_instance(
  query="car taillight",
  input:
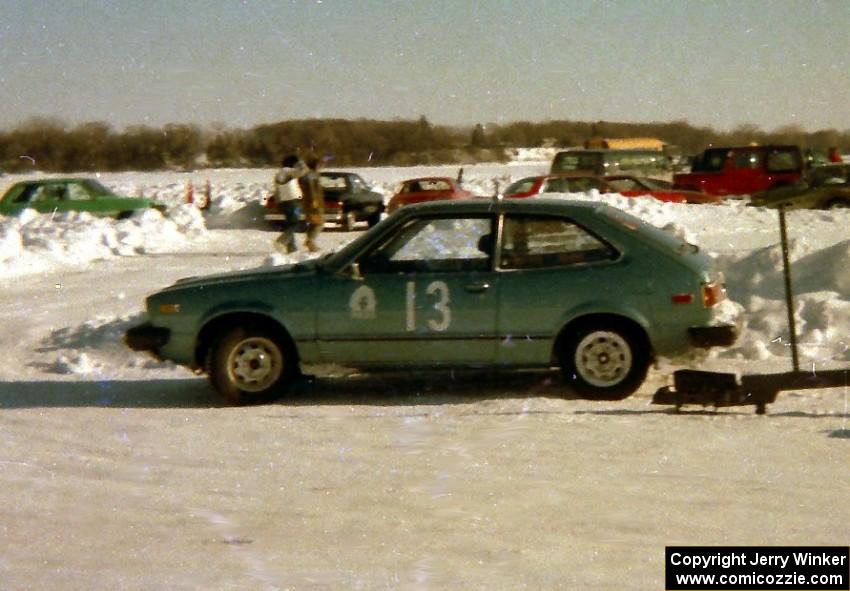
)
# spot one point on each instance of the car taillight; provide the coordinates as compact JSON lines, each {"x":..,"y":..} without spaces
{"x":683,"y":298}
{"x":713,"y":293}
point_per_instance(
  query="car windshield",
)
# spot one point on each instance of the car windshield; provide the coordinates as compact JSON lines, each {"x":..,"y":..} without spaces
{"x":656,"y":184}
{"x":572,"y":185}
{"x":568,"y":161}
{"x":521,"y":186}
{"x":96,"y":188}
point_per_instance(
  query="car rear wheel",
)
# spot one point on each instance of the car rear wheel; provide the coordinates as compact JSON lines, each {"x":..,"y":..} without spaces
{"x":605,"y":360}
{"x":249,"y":364}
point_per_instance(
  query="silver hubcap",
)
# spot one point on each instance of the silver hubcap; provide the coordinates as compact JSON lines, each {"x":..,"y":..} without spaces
{"x":603,"y":358}
{"x":255,"y":364}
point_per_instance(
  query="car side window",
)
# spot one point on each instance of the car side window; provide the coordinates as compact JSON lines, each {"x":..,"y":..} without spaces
{"x":29,"y":194}
{"x":747,"y":159}
{"x":76,"y":192}
{"x":434,"y":245}
{"x":532,"y":242}
{"x":624,"y":184}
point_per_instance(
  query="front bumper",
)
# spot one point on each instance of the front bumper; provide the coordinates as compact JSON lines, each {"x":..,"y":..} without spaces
{"x":722,"y":335}
{"x":146,"y":337}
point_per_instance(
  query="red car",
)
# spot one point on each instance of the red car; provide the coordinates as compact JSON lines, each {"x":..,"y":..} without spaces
{"x":625,"y":185}
{"x":743,"y":170}
{"x":630,"y":186}
{"x":427,"y":189}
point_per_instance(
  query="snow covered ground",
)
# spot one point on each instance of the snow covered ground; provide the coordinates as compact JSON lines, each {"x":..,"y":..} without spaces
{"x":120,"y":472}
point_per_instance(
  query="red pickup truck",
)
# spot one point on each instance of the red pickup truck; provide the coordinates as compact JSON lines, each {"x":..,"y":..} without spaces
{"x":742,"y":171}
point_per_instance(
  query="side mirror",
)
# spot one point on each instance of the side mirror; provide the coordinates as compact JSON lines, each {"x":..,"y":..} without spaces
{"x":354,"y":270}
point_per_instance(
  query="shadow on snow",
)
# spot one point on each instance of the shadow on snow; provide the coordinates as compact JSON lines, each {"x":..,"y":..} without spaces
{"x":360,"y":389}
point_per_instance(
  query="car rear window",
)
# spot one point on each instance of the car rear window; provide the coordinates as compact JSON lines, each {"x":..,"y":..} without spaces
{"x":534,"y":242}
{"x":638,"y":226}
{"x":784,"y":161}
{"x":332,"y":183}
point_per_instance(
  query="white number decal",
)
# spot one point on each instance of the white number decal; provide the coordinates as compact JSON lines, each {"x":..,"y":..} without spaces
{"x":441,"y":306}
{"x":410,"y":305}
{"x":441,"y":290}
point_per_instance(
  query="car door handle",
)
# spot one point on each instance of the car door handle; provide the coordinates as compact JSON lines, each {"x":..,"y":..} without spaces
{"x":477,"y":287}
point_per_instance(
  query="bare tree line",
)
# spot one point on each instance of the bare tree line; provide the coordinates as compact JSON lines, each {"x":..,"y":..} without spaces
{"x":51,"y":145}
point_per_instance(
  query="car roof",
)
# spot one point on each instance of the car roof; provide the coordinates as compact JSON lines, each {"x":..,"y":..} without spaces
{"x":54,"y":180}
{"x":759,"y":147}
{"x":337,"y":173}
{"x":429,"y":178}
{"x":490,"y":205}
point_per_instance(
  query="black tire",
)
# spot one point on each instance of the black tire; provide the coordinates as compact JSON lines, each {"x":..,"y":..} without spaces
{"x":249,"y":365}
{"x":837,"y":203}
{"x":374,"y":218}
{"x":604,"y":360}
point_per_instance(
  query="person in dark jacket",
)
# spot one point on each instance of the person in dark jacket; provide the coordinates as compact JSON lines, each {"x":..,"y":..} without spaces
{"x":313,"y":202}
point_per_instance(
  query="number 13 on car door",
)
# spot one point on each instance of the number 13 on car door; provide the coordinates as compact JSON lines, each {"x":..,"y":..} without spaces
{"x":427,"y":293}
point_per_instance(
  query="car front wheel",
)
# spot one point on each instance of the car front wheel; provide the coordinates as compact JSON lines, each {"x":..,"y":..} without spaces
{"x":248,"y":365}
{"x":374,"y":219}
{"x":606,"y":361}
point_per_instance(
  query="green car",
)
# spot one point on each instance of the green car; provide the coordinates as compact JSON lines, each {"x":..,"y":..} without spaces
{"x":826,"y":187}
{"x":58,"y":195}
{"x":530,"y":283}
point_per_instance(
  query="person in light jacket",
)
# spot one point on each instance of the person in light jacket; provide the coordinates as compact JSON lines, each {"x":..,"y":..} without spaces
{"x":287,"y":197}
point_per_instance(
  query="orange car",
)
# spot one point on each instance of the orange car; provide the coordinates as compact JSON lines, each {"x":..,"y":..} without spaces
{"x":427,"y":189}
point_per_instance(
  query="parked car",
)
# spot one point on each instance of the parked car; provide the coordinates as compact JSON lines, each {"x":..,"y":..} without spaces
{"x":427,"y":189}
{"x":742,"y":170}
{"x":826,"y":187}
{"x":71,"y":194}
{"x":503,"y":284}
{"x":632,"y":186}
{"x":603,"y":162}
{"x":348,"y":200}
{"x":626,"y":185}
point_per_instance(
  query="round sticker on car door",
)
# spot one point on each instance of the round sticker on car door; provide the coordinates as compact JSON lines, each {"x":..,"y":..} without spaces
{"x":363,"y":303}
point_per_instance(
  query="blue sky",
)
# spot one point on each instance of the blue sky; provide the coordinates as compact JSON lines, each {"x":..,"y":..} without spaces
{"x":244,"y":62}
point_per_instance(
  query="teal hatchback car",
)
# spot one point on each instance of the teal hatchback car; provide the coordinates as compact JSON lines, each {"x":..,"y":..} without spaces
{"x":532,"y":283}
